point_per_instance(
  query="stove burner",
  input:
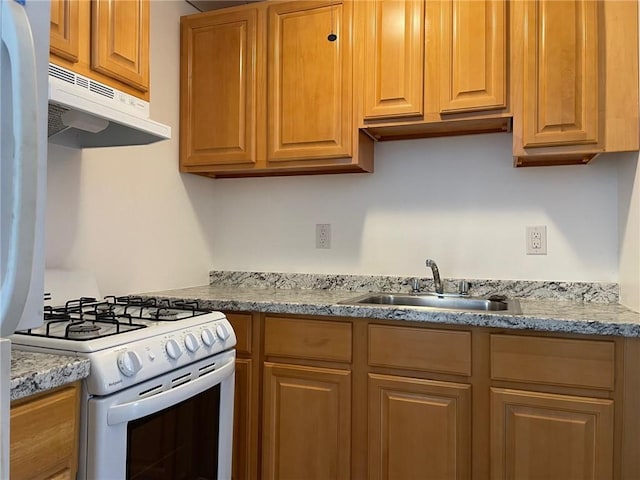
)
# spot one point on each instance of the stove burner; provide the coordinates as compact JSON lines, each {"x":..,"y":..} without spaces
{"x":83,"y":331}
{"x":87,"y":318}
{"x":164,"y":314}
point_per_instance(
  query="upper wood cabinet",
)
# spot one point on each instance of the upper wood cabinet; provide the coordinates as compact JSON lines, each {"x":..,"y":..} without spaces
{"x":65,"y":29}
{"x":105,"y":40}
{"x":120,"y":41}
{"x":265,"y":92}
{"x":574,"y":67}
{"x":432,"y":68}
{"x":219,"y":102}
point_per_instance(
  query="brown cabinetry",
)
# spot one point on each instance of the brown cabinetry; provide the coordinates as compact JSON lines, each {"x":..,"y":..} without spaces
{"x":106,"y":40}
{"x":407,"y":403}
{"x":418,"y":426}
{"x":433,"y":68}
{"x":555,"y":437}
{"x":306,"y":422}
{"x":334,"y":397}
{"x":538,"y":434}
{"x":246,"y":408}
{"x":306,"y":404}
{"x":44,"y":435}
{"x":264,"y":92}
{"x":574,"y":71}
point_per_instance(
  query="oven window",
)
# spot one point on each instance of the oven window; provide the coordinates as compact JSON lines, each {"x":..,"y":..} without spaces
{"x":180,"y":443}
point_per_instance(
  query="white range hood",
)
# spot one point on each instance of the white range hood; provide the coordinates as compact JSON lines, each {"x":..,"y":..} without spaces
{"x":84,"y":113}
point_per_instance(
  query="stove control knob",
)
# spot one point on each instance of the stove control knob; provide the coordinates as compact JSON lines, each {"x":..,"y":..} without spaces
{"x":129,"y":363}
{"x":173,"y":349}
{"x":207,"y":337}
{"x":223,"y":332}
{"x":191,"y":342}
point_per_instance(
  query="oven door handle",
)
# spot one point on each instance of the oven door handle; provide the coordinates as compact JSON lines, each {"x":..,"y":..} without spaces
{"x":146,"y":406}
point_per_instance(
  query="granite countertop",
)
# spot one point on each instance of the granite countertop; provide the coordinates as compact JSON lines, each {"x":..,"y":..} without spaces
{"x":552,"y":315}
{"x":33,"y":373}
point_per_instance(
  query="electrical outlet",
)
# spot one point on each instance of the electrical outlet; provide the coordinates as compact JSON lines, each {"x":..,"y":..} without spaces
{"x":323,"y":235}
{"x":537,"y":240}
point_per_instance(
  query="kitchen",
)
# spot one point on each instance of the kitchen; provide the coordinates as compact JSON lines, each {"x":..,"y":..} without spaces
{"x":458,"y":201}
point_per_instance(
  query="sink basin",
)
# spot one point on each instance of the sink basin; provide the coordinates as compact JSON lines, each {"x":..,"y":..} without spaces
{"x":445,"y":301}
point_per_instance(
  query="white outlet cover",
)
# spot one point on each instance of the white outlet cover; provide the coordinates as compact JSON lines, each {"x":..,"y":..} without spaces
{"x":536,"y":240}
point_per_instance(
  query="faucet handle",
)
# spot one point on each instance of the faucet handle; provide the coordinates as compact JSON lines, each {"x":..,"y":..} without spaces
{"x":463,"y":287}
{"x":415,"y":285}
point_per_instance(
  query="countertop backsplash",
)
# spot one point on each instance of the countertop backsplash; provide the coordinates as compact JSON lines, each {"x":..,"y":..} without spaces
{"x":539,"y":290}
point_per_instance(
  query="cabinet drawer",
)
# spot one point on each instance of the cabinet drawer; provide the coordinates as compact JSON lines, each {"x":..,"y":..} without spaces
{"x":311,"y":339}
{"x":241,"y":323}
{"x":553,"y":361}
{"x":420,"y":349}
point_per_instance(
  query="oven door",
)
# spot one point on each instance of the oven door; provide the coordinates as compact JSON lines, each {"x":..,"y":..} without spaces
{"x":176,"y":426}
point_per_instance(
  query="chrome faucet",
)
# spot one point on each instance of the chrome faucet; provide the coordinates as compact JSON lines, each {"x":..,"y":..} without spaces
{"x":436,"y":275}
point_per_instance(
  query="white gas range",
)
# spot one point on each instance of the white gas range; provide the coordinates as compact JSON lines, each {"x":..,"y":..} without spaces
{"x":159,"y":371}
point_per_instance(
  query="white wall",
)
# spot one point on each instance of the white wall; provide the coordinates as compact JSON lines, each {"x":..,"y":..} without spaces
{"x":130,"y":216}
{"x":126,"y":213}
{"x":458,"y":201}
{"x":629,"y":224}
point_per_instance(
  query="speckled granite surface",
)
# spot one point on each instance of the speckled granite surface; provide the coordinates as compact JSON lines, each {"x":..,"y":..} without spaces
{"x":588,"y":318}
{"x":573,"y":291}
{"x":33,"y":373}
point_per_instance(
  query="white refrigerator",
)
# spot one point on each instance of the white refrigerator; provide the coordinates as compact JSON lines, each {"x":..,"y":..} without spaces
{"x":24,"y":60}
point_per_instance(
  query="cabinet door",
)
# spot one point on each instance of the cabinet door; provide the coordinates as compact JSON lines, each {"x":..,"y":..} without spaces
{"x":65,"y":29}
{"x":44,"y":436}
{"x":219,"y":89}
{"x":310,"y":85}
{"x":555,"y":437}
{"x":394,"y":58}
{"x":472,"y":55}
{"x":561,"y":99}
{"x":306,"y":423}
{"x":418,"y":428}
{"x":120,"y":41}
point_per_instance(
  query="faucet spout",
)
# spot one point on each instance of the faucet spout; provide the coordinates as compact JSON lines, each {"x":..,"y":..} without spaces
{"x":436,"y":275}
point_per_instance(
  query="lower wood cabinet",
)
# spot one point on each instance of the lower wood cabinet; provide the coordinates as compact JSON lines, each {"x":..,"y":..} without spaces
{"x":307,"y":423}
{"x":44,"y":435}
{"x":352,"y":398}
{"x":556,"y":437}
{"x":418,"y":426}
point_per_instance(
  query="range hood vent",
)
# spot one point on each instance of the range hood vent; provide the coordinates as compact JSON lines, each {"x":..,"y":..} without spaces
{"x":84,"y":113}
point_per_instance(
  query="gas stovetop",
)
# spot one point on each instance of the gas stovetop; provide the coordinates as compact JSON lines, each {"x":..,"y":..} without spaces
{"x":129,"y":339}
{"x":87,"y":318}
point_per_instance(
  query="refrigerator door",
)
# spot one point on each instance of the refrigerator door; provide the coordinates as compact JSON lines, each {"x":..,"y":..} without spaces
{"x":24,"y":30}
{"x":5,"y":375}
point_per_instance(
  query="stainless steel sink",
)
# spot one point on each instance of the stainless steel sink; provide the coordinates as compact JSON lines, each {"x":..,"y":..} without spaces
{"x":436,"y":301}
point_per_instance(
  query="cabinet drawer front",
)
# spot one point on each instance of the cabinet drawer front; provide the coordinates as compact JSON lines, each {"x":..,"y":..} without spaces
{"x":309,"y":339}
{"x":420,"y":349}
{"x":553,"y":361}
{"x":241,"y":323}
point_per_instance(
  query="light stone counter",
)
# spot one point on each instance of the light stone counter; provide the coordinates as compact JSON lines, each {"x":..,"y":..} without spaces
{"x":33,"y":373}
{"x":552,"y":315}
